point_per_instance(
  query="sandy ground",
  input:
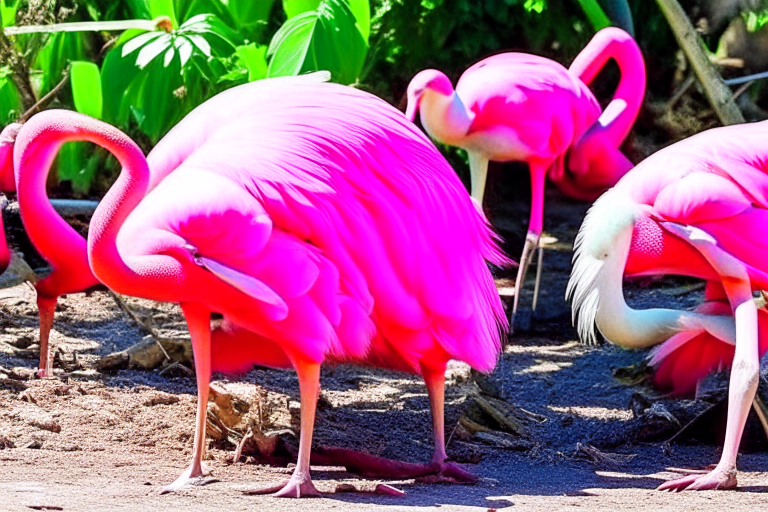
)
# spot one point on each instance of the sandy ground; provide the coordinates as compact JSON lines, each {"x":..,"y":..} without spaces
{"x":111,"y":442}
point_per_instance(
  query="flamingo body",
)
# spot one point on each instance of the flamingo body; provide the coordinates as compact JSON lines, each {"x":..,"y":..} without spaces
{"x":520,"y":107}
{"x":504,"y":125}
{"x":318,"y":221}
{"x":697,"y":208}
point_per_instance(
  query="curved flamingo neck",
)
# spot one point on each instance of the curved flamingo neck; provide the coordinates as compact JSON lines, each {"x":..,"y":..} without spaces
{"x":35,"y":149}
{"x":445,"y":117}
{"x":613,"y":43}
{"x":59,"y":244}
{"x":158,"y":276}
{"x":633,"y":328}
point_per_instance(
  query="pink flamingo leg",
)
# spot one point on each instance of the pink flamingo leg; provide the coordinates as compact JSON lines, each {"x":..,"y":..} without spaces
{"x":741,"y":393}
{"x":745,"y":371}
{"x":435,"y":381}
{"x":46,"y":307}
{"x":300,"y":483}
{"x":199,"y":323}
{"x":535,"y":226}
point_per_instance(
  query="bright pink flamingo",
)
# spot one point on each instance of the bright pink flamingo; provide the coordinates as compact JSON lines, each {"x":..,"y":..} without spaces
{"x":521,"y":107}
{"x":697,"y":208}
{"x":7,"y":184}
{"x":326,"y":224}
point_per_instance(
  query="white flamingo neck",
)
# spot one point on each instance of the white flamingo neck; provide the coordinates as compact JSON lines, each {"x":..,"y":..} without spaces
{"x":596,"y":286}
{"x":445,"y":118}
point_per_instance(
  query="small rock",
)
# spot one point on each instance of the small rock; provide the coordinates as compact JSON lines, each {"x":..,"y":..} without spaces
{"x":161,"y":399}
{"x":38,"y":418}
{"x":89,"y":374}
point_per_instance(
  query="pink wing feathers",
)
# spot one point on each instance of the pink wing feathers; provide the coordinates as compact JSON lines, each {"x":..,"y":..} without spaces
{"x":686,"y":358}
{"x":379,"y":226}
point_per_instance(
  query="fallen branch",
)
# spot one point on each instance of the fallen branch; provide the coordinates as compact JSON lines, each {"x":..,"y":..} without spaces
{"x":717,"y":92}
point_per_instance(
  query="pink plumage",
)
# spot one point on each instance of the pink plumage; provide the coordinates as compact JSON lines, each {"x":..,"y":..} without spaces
{"x":521,"y":107}
{"x":7,"y":184}
{"x":697,"y":208}
{"x":310,"y":215}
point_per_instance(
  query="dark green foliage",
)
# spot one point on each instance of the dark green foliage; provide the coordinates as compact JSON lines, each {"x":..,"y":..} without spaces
{"x":409,"y":35}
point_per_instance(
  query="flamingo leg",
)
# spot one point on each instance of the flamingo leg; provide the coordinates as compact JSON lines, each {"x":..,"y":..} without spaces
{"x":539,"y":265}
{"x":435,"y":381}
{"x":745,"y":372}
{"x":46,"y":308}
{"x":478,"y":172}
{"x":199,"y":323}
{"x":535,"y":226}
{"x":300,"y":483}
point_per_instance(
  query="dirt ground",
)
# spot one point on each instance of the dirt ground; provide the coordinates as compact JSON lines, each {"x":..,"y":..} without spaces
{"x":111,"y":441}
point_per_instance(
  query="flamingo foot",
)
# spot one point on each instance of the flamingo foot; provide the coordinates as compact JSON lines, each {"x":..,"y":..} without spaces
{"x":190,"y":478}
{"x":297,"y":487}
{"x":452,"y":471}
{"x":715,"y":479}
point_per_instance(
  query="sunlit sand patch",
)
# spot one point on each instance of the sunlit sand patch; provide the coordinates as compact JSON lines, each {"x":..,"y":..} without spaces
{"x":544,"y":366}
{"x":601,"y":413}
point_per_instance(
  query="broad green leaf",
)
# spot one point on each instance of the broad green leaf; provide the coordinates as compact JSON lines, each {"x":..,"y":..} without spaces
{"x":595,"y":14}
{"x":362,"y":11}
{"x":128,"y":35}
{"x":188,"y":9}
{"x":59,"y":50}
{"x":325,"y":39}
{"x":295,"y":7}
{"x":78,"y":163}
{"x":10,"y":105}
{"x":86,"y":88}
{"x":163,"y":8}
{"x":117,"y":74}
{"x":255,"y":60}
{"x":248,"y":13}
{"x":8,"y":12}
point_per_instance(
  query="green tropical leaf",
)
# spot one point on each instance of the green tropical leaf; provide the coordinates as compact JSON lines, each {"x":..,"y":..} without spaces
{"x":325,"y":39}
{"x":188,"y":9}
{"x":249,"y":13}
{"x":295,"y":7}
{"x":78,"y":163}
{"x":255,"y":60}
{"x":86,"y":88}
{"x":10,"y":104}
{"x":8,"y":12}
{"x":53,"y":58}
{"x":595,"y":14}
{"x":362,"y":11}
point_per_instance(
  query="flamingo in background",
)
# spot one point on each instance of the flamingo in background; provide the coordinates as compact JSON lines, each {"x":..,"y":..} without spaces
{"x":7,"y":137}
{"x":697,"y":208}
{"x":321,"y":224}
{"x":521,"y":107}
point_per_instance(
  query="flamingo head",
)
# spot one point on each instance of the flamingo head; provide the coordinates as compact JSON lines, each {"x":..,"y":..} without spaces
{"x":600,"y":254}
{"x":429,"y":81}
{"x":7,"y":140}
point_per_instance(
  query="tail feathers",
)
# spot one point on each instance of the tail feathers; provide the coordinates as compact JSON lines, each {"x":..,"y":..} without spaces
{"x":686,"y":358}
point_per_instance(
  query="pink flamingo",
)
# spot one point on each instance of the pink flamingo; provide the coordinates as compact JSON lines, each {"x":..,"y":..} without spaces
{"x":697,"y":208}
{"x":521,"y":107}
{"x":7,"y":136}
{"x":313,"y":225}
